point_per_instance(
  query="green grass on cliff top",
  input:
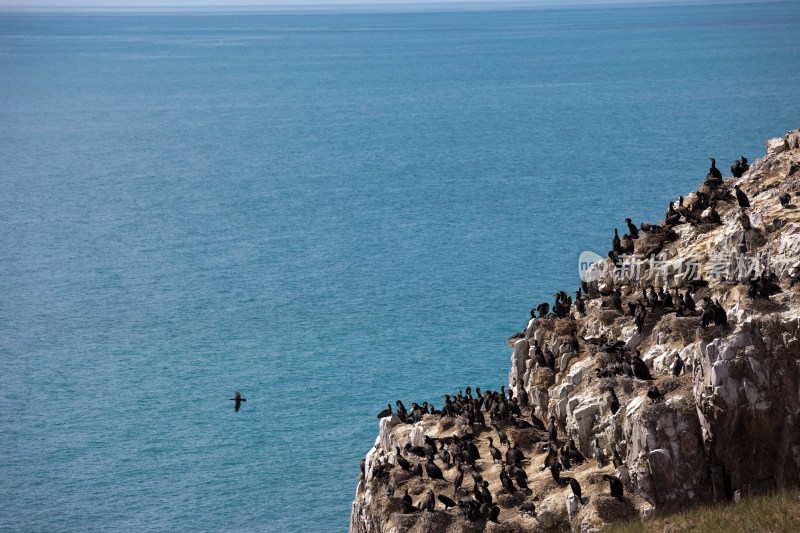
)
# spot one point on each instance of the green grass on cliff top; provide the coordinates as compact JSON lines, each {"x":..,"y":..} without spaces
{"x":776,"y":512}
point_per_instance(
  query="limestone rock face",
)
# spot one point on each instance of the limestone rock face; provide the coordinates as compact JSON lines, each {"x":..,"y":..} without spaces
{"x":729,"y":421}
{"x":777,"y":145}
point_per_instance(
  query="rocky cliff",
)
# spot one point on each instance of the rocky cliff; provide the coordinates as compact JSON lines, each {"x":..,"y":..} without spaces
{"x":720,"y":418}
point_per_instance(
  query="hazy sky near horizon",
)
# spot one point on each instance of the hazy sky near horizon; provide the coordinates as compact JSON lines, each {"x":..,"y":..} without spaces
{"x":112,"y":4}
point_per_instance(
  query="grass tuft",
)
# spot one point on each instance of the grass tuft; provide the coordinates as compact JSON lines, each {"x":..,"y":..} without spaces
{"x":776,"y":512}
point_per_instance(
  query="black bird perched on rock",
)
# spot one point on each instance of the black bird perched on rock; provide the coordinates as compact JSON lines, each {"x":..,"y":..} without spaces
{"x":574,"y":344}
{"x":505,"y":480}
{"x":736,"y":169}
{"x":574,"y":454}
{"x":401,"y":411}
{"x":616,"y":300}
{"x":447,"y":502}
{"x":741,"y":197}
{"x":494,"y":514}
{"x":458,"y":479}
{"x":639,"y":368}
{"x":536,"y":421}
{"x":563,"y":456}
{"x":639,"y":316}
{"x":486,"y":493}
{"x":599,"y":456}
{"x":615,"y":484}
{"x":416,"y":450}
{"x":553,"y":430}
{"x":745,"y":166}
{"x":402,"y":462}
{"x":237,"y":399}
{"x":654,"y":394}
{"x":632,"y":229}
{"x":501,"y":434}
{"x":514,"y":455}
{"x":677,"y":367}
{"x":616,"y":243}
{"x":434,"y":472}
{"x":476,"y":476}
{"x":713,"y":172}
{"x":521,"y":477}
{"x":575,"y":486}
{"x":613,"y":402}
{"x":555,"y":470}
{"x":528,"y":507}
{"x":386,"y":412}
{"x":785,"y":199}
{"x":496,"y":455}
{"x":429,"y":502}
{"x":408,"y":506}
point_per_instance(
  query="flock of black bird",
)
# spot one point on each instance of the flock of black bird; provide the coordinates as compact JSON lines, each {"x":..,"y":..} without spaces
{"x":501,"y":410}
{"x":493,"y":412}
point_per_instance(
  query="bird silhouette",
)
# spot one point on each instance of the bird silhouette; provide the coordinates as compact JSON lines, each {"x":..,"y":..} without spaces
{"x":237,"y":397}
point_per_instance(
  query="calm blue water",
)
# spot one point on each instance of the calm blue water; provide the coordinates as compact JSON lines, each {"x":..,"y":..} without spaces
{"x":325,"y":212}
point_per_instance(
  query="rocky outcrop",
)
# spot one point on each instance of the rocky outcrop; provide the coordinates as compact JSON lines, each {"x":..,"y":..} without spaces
{"x":730,"y":421}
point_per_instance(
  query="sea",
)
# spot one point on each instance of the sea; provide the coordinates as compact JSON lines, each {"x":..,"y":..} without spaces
{"x":327,"y":212}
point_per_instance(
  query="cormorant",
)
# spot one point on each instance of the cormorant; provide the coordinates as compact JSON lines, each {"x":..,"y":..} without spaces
{"x":741,"y":197}
{"x":616,"y":300}
{"x":386,"y":412}
{"x":639,"y":316}
{"x":563,"y":456}
{"x":496,"y":455}
{"x":654,"y":394}
{"x":613,"y":402}
{"x":416,"y":450}
{"x":553,"y":430}
{"x":458,"y":480}
{"x":476,"y":476}
{"x":615,"y":484}
{"x":736,"y":169}
{"x":632,"y":230}
{"x":598,"y":454}
{"x":639,"y":368}
{"x":447,"y":502}
{"x":714,"y":172}
{"x":521,"y":477}
{"x":536,"y":421}
{"x":616,"y":244}
{"x":574,"y":454}
{"x":434,"y":472}
{"x":501,"y":434}
{"x":487,"y":495}
{"x":429,"y":502}
{"x":745,"y":166}
{"x":505,"y":480}
{"x":408,"y":506}
{"x":677,"y":367}
{"x":528,"y":507}
{"x":575,"y":486}
{"x":555,"y":468}
{"x":494,"y":514}
{"x":402,"y":462}
{"x":401,"y":411}
{"x":237,"y":399}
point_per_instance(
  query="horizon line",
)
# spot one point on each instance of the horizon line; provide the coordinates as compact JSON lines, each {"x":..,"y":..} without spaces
{"x":356,"y":6}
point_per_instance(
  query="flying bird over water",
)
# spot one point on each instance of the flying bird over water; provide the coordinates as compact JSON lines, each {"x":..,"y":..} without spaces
{"x":237,"y":397}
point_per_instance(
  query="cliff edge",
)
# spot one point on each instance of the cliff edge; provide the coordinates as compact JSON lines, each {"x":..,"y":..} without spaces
{"x":675,"y":369}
